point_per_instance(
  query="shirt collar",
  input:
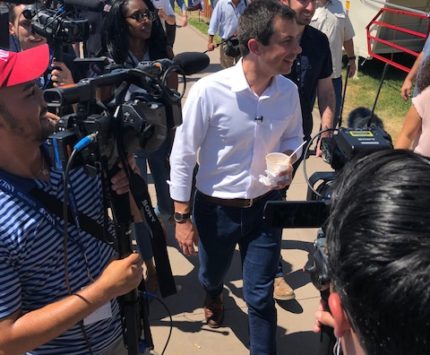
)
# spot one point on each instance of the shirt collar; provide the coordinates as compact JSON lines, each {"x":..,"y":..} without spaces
{"x":241,"y":84}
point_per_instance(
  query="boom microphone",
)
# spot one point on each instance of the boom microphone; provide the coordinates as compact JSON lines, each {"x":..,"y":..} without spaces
{"x":191,"y":62}
{"x":93,"y":5}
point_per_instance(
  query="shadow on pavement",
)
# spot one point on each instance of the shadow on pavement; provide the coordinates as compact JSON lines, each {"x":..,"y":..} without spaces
{"x":300,"y":343}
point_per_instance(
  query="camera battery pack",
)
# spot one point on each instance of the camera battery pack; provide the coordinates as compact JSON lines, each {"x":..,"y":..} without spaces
{"x":350,"y":143}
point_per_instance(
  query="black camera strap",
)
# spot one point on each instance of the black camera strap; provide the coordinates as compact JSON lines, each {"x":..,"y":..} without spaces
{"x":139,"y":190}
{"x":87,"y":224}
{"x":47,"y":205}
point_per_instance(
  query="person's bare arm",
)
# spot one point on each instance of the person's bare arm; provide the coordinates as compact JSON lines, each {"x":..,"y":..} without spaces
{"x":406,"y":90}
{"x":186,"y":233}
{"x":211,"y":44}
{"x":410,"y":130}
{"x":170,"y":19}
{"x":326,"y":104}
{"x":20,"y":332}
{"x":349,"y":49}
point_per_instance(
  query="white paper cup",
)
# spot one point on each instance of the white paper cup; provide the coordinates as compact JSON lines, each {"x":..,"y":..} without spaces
{"x":277,"y":162}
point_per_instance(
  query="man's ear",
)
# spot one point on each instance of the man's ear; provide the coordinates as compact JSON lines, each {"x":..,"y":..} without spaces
{"x":11,"y":29}
{"x":254,"y":46}
{"x":341,"y":321}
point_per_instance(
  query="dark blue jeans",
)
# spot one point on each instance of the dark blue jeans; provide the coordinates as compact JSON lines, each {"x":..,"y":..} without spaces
{"x":220,"y":229}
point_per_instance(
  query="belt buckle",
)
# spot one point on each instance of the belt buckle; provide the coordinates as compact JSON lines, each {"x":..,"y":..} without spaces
{"x":249,"y":203}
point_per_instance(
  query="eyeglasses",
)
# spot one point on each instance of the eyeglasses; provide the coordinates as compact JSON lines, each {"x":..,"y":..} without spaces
{"x":140,"y":16}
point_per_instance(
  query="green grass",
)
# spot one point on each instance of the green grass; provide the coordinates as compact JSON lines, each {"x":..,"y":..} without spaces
{"x":362,"y":91}
{"x":201,"y":24}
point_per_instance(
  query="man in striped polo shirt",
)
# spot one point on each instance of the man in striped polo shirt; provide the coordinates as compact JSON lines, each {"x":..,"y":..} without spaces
{"x":49,"y":303}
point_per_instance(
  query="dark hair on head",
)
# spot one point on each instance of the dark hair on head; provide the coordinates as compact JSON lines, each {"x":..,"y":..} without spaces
{"x":115,"y":34}
{"x":423,"y":76}
{"x":12,"y":15}
{"x":11,"y":8}
{"x":378,"y":237}
{"x":257,"y":22}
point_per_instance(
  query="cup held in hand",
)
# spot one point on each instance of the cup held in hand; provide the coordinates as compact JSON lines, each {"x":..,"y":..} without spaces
{"x":277,"y":162}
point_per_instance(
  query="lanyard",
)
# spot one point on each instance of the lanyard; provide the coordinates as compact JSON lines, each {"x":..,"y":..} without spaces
{"x":20,"y":188}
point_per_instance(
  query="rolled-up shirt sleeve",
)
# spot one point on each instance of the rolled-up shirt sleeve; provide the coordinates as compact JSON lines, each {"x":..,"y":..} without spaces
{"x":188,"y":139}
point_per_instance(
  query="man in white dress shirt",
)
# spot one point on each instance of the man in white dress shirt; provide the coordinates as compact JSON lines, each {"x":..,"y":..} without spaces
{"x":233,"y":118}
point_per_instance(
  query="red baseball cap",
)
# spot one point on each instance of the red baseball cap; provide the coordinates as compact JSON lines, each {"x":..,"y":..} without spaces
{"x":21,"y":67}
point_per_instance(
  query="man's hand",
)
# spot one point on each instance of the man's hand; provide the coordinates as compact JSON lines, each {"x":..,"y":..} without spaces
{"x":211,"y":46}
{"x":352,"y":68}
{"x":287,"y":177}
{"x":121,"y":276}
{"x":406,"y":89}
{"x":120,"y":183}
{"x":323,"y":135}
{"x":61,"y":75}
{"x":187,"y":237}
{"x":322,"y":317}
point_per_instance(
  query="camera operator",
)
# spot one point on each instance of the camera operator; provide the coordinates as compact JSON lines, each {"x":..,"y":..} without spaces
{"x":378,"y":241}
{"x":58,"y":73}
{"x":56,"y":295}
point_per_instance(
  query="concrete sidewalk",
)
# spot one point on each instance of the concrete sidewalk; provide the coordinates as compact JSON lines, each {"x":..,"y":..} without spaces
{"x":295,"y":318}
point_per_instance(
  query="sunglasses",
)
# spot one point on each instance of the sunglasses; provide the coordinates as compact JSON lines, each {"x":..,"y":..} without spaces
{"x":140,"y":16}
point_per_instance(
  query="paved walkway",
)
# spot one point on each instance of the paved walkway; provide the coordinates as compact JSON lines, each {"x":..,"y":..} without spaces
{"x":295,"y":318}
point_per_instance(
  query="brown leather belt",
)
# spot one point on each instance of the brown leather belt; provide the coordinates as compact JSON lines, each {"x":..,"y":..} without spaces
{"x":234,"y":202}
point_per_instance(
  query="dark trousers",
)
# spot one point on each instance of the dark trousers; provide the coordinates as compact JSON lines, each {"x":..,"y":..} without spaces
{"x":220,"y":229}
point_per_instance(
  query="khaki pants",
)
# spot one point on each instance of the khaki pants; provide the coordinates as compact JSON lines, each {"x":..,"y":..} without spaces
{"x":225,"y":60}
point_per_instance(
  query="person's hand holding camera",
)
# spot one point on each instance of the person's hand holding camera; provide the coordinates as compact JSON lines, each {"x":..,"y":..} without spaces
{"x":61,"y":75}
{"x":322,"y":317}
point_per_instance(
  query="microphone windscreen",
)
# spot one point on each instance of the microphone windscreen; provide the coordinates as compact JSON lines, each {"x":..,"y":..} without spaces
{"x":191,"y":62}
{"x":94,"y":5}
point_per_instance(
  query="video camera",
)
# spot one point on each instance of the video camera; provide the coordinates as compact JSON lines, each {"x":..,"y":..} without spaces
{"x":129,"y":121}
{"x":58,"y":22}
{"x":345,"y":145}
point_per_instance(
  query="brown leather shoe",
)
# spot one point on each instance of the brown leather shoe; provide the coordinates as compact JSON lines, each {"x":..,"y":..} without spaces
{"x":281,"y":290}
{"x":214,"y":311}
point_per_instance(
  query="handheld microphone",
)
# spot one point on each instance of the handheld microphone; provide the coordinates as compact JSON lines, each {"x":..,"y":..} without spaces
{"x":188,"y":62}
{"x":258,"y":119}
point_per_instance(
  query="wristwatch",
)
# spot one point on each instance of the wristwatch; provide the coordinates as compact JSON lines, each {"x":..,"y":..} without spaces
{"x":181,"y":217}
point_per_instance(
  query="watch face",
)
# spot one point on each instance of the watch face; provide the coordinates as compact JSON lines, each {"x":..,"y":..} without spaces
{"x":181,"y":217}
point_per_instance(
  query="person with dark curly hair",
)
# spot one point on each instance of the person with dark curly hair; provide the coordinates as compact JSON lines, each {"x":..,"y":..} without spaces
{"x":416,"y":128}
{"x":378,"y":246}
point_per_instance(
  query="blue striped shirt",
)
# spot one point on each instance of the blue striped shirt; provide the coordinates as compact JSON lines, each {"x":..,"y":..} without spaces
{"x":32,"y":271}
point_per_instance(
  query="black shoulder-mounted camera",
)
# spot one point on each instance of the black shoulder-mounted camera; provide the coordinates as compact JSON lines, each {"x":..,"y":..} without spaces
{"x":345,"y":145}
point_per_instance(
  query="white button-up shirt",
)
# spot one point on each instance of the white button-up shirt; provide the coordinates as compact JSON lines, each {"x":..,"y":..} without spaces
{"x":219,"y":121}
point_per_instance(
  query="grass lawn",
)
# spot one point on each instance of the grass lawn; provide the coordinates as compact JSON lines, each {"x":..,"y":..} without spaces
{"x":361,"y":90}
